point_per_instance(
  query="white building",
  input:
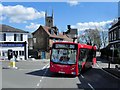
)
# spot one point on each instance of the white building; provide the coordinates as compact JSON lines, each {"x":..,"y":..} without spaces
{"x":15,"y":40}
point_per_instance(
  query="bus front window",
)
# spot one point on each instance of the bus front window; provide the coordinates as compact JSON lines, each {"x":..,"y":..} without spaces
{"x":64,"y":56}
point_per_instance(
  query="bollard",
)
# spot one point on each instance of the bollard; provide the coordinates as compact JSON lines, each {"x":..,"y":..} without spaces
{"x":13,"y":64}
{"x":10,"y":64}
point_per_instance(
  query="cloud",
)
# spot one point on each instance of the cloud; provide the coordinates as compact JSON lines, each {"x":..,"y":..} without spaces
{"x":91,"y":25}
{"x":32,"y":26}
{"x":2,"y":18}
{"x":20,"y":14}
{"x":73,"y":2}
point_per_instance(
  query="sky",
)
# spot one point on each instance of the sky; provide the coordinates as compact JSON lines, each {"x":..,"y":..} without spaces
{"x":29,"y":16}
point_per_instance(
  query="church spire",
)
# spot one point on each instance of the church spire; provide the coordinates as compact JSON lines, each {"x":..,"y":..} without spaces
{"x":45,"y":13}
{"x":52,"y":13}
{"x":48,"y":19}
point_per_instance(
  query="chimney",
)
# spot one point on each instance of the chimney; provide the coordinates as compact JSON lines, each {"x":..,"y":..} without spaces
{"x":69,"y":27}
{"x":118,"y":18}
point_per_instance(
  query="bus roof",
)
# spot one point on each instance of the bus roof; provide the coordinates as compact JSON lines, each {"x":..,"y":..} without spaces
{"x":79,"y":44}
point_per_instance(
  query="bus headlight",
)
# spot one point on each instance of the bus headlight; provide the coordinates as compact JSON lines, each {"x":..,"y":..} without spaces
{"x":74,"y":73}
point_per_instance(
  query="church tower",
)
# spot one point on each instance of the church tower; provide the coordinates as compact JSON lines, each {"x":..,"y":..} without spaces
{"x":49,"y":20}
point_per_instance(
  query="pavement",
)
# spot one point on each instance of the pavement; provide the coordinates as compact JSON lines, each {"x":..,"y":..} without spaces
{"x":29,"y":59}
{"x":112,"y":70}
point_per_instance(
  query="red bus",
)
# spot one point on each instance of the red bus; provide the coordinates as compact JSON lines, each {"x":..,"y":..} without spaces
{"x":71,"y":58}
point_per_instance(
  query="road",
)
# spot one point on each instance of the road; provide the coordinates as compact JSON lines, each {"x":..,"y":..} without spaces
{"x":36,"y":74}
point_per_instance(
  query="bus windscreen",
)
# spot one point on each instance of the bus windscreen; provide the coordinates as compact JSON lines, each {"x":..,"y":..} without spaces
{"x":64,"y":53}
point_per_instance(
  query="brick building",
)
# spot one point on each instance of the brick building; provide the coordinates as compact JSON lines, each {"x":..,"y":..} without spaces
{"x":114,"y":40}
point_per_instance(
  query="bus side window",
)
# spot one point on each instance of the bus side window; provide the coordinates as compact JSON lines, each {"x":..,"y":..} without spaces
{"x":90,"y":55}
{"x":83,"y":54}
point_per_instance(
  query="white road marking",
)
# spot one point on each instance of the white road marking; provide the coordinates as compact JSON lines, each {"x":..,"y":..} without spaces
{"x":82,"y":76}
{"x":97,"y":65}
{"x":107,"y":72}
{"x":46,"y":66}
{"x":38,"y":84}
{"x":40,"y":80}
{"x":91,"y":86}
{"x":30,"y":69}
{"x":42,"y":77}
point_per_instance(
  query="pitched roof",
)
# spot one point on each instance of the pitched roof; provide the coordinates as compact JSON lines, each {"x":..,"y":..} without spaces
{"x":59,"y":36}
{"x":66,"y":38}
{"x":6,"y":28}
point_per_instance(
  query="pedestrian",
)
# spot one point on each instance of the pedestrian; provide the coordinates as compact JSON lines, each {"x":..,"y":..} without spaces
{"x":16,"y":56}
{"x":13,"y":61}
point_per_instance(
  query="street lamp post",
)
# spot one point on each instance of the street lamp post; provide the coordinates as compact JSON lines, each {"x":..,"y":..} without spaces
{"x":113,"y":54}
{"x":112,"y":48}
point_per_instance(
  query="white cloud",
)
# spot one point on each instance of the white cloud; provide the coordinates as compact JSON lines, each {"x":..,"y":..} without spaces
{"x":32,"y":26}
{"x":20,"y":14}
{"x":91,"y":25}
{"x":2,"y":18}
{"x":73,"y":2}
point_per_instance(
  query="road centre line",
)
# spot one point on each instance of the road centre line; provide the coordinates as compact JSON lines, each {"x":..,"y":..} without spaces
{"x":91,"y":86}
{"x":82,"y":76}
{"x":107,"y":72}
{"x":38,"y":84}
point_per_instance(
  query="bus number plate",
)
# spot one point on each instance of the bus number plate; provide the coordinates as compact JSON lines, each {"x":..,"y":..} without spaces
{"x":61,"y":72}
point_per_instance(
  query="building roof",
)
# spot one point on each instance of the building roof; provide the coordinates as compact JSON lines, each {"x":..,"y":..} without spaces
{"x":73,"y":31}
{"x":116,"y":24}
{"x":6,"y":28}
{"x":59,"y":36}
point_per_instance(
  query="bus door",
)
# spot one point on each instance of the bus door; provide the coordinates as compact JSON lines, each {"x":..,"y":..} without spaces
{"x":90,"y":58}
{"x":82,"y":59}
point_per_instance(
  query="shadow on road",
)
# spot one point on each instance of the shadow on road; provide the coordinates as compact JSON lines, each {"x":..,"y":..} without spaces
{"x":98,"y":80}
{"x":103,"y":60}
{"x":49,"y":74}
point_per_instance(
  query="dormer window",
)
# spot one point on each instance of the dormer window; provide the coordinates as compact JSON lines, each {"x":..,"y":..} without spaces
{"x":51,"y":31}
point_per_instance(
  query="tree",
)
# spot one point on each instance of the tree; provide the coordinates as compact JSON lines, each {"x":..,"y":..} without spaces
{"x":104,"y":36}
{"x":91,"y":36}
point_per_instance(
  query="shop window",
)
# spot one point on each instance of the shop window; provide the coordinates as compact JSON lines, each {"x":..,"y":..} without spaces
{"x":4,"y":53}
{"x":21,"y":53}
